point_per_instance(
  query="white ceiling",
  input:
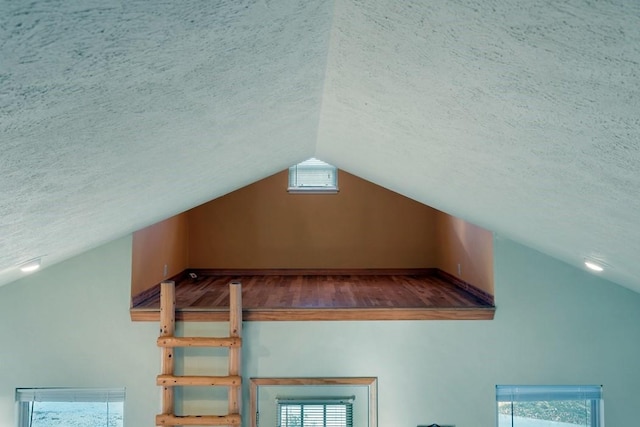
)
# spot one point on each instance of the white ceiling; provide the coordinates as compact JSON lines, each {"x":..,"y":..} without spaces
{"x":522,"y":117}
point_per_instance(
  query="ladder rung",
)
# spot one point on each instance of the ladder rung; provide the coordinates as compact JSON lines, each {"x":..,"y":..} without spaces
{"x":199,"y":342}
{"x":198,"y":420}
{"x":200,"y":380}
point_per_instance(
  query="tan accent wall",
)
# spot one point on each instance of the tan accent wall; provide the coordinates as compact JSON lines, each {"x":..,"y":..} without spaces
{"x":460,"y":242}
{"x":164,"y":243}
{"x":263,"y":226}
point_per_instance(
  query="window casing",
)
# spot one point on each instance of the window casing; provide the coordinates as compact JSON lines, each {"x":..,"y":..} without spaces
{"x":313,"y":176}
{"x":329,"y":412}
{"x":48,"y":407}
{"x":534,"y":406}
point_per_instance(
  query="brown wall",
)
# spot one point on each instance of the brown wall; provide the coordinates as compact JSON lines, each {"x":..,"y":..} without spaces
{"x":460,"y":242}
{"x":263,"y":226}
{"x":164,"y":243}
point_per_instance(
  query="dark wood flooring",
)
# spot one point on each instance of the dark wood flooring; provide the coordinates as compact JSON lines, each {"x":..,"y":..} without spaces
{"x":368,"y":295}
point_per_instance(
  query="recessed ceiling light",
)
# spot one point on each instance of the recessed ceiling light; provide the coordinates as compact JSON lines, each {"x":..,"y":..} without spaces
{"x":30,"y":266}
{"x":593,"y":266}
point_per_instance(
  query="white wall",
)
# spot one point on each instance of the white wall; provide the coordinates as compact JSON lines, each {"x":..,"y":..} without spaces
{"x":69,"y":325}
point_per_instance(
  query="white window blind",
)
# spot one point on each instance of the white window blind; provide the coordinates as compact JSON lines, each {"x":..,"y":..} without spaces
{"x":528,"y":393}
{"x":70,"y":395}
{"x":315,"y":412}
{"x":313,"y":175}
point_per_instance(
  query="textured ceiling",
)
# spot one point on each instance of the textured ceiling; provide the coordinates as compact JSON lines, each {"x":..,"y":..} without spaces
{"x":520,"y":116}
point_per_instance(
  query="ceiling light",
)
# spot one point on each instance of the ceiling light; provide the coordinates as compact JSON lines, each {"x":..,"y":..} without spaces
{"x":30,"y":266}
{"x":593,"y":266}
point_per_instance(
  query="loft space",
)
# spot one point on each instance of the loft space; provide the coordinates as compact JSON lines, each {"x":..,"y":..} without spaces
{"x":359,"y":254}
{"x":263,"y":235}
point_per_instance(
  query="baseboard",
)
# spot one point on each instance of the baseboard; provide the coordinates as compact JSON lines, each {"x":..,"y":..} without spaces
{"x":478,"y":293}
{"x":313,"y":271}
{"x":154,"y":291}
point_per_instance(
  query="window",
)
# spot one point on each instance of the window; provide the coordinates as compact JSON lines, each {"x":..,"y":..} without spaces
{"x":77,"y":407}
{"x":315,"y":412}
{"x":313,"y":176}
{"x":546,"y":406}
{"x":266,"y":398}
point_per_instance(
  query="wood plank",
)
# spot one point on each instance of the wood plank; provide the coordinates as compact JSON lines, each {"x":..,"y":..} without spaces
{"x":365,"y":314}
{"x":199,"y":380}
{"x":199,"y":342}
{"x":198,"y":420}
{"x":322,"y":291}
{"x":326,"y":314}
{"x":307,"y":297}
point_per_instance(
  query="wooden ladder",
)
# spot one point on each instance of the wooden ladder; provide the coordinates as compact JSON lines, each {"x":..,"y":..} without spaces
{"x":167,"y":342}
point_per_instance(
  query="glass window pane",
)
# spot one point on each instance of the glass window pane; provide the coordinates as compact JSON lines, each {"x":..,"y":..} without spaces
{"x":549,"y":406}
{"x":76,"y":414}
{"x":315,"y":415}
{"x":556,"y":413}
{"x":313,"y":175}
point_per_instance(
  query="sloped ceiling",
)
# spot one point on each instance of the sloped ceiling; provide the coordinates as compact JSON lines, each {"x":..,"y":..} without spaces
{"x":522,"y":117}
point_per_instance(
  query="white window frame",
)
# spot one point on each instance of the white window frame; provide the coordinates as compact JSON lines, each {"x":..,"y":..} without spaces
{"x":303,"y":178}
{"x":543,"y":393}
{"x":25,"y":397}
{"x":347,"y":402}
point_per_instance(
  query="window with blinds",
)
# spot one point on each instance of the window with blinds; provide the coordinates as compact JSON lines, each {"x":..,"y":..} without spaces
{"x":79,"y":407}
{"x":315,"y":413}
{"x":313,"y":176}
{"x":545,"y":405}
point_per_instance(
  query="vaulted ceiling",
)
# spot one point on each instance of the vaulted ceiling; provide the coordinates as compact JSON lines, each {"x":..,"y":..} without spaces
{"x":522,"y":117}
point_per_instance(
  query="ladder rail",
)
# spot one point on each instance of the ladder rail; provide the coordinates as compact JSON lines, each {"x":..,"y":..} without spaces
{"x":235,"y":353}
{"x":167,"y":328}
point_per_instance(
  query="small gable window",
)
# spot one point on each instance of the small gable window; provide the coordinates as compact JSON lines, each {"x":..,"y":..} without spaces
{"x":313,"y":176}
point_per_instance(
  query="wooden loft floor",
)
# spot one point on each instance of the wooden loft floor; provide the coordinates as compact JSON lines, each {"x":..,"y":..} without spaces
{"x":425,"y":294}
